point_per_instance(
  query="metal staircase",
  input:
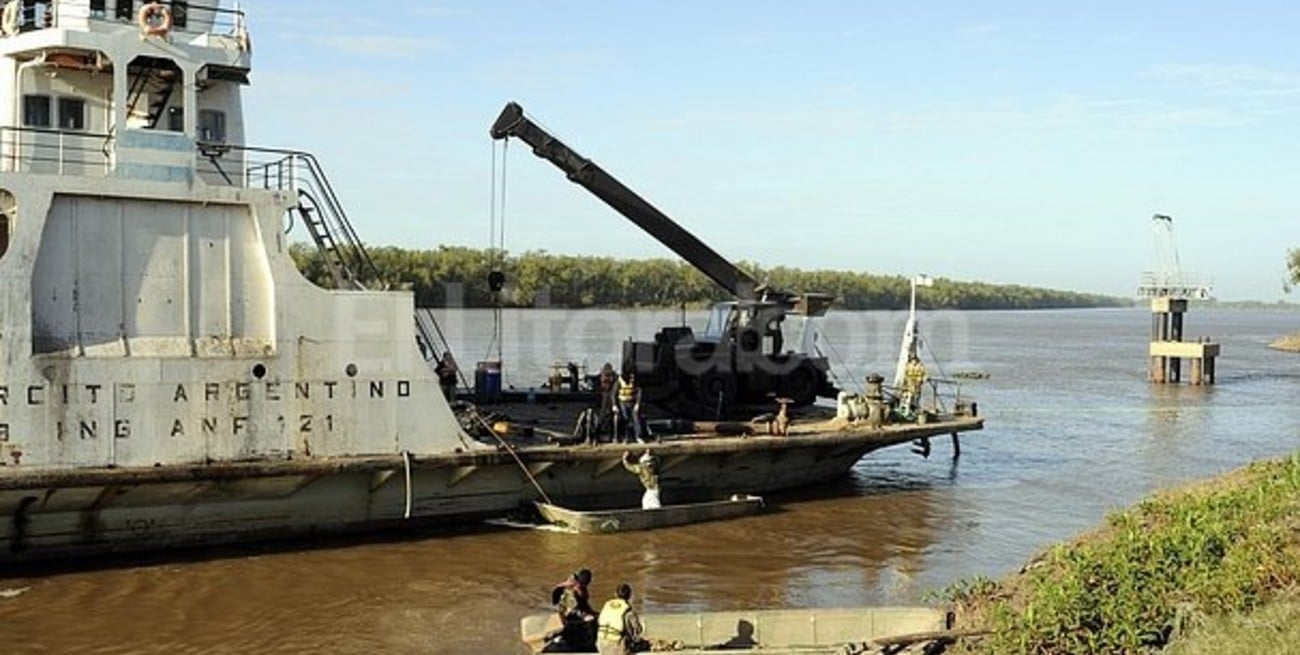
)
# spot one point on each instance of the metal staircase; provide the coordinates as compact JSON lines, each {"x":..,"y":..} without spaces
{"x":345,"y":274}
{"x":155,"y":81}
{"x":326,"y":223}
{"x":344,"y":253}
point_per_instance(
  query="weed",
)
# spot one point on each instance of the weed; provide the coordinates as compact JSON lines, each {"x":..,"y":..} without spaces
{"x":1212,"y":550}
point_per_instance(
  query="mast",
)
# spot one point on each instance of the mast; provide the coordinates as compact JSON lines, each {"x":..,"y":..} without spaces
{"x":911,"y":337}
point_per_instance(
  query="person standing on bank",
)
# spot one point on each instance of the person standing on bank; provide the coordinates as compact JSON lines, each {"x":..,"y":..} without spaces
{"x":620,"y":628}
{"x":646,"y":468}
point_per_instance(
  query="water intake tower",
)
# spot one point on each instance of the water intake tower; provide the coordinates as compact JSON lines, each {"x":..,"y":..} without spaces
{"x":1170,"y":290}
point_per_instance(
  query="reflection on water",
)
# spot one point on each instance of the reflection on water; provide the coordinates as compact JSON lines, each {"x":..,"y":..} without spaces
{"x":1074,"y":431}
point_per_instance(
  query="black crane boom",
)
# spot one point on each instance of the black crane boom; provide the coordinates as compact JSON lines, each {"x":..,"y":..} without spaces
{"x":593,"y":178}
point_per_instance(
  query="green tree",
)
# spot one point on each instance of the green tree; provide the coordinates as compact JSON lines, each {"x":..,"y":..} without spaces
{"x":587,"y":281}
{"x":1292,"y":268}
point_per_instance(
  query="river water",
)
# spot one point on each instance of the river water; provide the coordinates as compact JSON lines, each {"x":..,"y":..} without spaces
{"x":1073,"y":432}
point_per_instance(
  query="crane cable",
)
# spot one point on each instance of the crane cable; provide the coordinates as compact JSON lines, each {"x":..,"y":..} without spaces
{"x":496,"y":247}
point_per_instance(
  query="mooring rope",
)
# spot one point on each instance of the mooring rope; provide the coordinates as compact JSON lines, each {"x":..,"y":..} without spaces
{"x":518,"y":461}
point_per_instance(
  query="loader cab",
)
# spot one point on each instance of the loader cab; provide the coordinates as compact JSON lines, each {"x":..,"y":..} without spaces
{"x":720,"y":315}
{"x":755,"y":326}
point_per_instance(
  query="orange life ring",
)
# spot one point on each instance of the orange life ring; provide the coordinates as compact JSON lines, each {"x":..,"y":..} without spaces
{"x":155,"y":19}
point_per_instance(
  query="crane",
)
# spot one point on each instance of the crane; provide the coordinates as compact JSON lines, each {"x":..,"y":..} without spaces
{"x":513,"y":123}
{"x":741,"y":357}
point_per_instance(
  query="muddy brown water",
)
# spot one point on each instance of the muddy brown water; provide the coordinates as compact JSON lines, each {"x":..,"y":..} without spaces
{"x":1073,"y":431}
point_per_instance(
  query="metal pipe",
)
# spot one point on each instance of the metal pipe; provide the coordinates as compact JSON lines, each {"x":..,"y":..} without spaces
{"x":406,"y":461}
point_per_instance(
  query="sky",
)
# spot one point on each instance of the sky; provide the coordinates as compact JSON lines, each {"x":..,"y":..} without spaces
{"x":1009,"y":142}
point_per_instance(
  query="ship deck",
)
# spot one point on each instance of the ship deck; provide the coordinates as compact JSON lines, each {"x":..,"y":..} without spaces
{"x":822,"y":434}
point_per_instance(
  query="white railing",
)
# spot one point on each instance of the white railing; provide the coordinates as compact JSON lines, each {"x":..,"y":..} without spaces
{"x":56,"y":152}
{"x":1178,"y":285}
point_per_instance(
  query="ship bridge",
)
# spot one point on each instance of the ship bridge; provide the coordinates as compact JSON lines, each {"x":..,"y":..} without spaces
{"x":120,"y":88}
{"x":114,"y":107}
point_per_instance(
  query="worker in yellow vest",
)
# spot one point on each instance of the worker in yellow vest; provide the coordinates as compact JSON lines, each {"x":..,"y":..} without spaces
{"x":629,"y":408}
{"x":913,"y":385}
{"x":619,"y":631}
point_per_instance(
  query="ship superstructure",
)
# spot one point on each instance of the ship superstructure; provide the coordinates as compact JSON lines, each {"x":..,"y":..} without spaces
{"x":151,"y":314}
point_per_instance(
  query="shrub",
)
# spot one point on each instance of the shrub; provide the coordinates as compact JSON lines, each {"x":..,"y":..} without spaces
{"x":1212,"y":550}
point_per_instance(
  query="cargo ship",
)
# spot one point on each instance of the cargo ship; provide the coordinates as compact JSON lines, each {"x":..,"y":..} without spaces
{"x":171,"y":379}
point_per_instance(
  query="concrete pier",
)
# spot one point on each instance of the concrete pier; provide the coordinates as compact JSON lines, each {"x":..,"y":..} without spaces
{"x":1168,"y":350}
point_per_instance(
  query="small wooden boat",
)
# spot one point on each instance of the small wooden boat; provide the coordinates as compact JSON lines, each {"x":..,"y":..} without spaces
{"x":630,"y":520}
{"x":776,"y":632}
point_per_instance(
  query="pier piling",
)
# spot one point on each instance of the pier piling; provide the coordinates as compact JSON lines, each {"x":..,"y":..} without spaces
{"x":1167,"y":349}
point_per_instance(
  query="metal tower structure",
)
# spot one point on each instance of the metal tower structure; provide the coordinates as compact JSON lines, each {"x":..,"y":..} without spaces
{"x":1168,"y":279}
{"x":1169,"y":289}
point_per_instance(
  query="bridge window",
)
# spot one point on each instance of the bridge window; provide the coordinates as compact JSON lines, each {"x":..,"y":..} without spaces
{"x":156,"y":86}
{"x":31,"y":14}
{"x":36,"y":111}
{"x":72,"y":114}
{"x":97,"y":8}
{"x":180,"y":13}
{"x":212,"y":125}
{"x":126,"y":9}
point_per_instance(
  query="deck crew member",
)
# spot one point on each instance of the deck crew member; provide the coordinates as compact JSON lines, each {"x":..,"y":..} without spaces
{"x":629,"y":407}
{"x":782,"y":423}
{"x":572,"y":600}
{"x":646,"y":468}
{"x":620,"y":627}
{"x":447,"y":372}
{"x":608,"y":400}
{"x":913,"y":381}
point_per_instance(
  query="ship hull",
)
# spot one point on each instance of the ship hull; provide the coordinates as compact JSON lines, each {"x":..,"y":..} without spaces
{"x":79,"y":513}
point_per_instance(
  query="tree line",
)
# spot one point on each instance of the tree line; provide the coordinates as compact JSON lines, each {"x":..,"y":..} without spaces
{"x":459,"y":275}
{"x":1292,"y":269}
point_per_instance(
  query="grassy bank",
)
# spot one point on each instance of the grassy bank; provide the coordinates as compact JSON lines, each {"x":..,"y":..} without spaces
{"x":1213,"y":555}
{"x":1272,"y":628}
